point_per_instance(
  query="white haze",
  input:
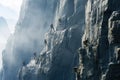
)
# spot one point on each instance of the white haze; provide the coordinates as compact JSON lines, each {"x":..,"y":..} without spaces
{"x":9,"y":9}
{"x":34,"y":21}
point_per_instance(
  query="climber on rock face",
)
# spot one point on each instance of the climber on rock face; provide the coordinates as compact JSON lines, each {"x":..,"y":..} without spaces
{"x":46,"y":44}
{"x":59,"y":21}
{"x":45,"y":41}
{"x":35,"y":55}
{"x":85,"y":42}
{"x":52,"y":28}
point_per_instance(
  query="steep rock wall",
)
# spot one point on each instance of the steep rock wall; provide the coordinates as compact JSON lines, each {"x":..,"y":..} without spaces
{"x":100,"y":40}
{"x":57,"y":59}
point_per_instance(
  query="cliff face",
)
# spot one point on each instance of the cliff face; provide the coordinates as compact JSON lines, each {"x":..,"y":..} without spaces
{"x":100,"y":40}
{"x":34,"y":21}
{"x":59,"y":56}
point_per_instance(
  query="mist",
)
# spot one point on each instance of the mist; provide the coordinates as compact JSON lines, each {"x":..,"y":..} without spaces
{"x":4,"y":34}
{"x":34,"y":21}
{"x":8,"y":17}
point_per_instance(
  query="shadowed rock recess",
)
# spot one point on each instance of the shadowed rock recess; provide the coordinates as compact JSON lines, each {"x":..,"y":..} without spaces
{"x":99,"y":54}
{"x":92,"y":26}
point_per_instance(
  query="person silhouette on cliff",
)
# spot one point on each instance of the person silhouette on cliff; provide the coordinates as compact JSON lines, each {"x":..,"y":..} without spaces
{"x":52,"y":28}
{"x":45,"y":41}
{"x":35,"y":55}
{"x":86,"y":42}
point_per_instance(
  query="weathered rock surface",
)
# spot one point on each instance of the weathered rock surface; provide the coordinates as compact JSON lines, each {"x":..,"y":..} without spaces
{"x":100,"y":40}
{"x":59,"y":56}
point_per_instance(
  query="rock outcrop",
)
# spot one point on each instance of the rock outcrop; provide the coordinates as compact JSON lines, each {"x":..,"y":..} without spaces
{"x":95,"y":30}
{"x":59,"y":56}
{"x":100,"y":40}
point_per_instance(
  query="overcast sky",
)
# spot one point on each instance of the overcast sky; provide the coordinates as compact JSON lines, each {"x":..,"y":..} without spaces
{"x":9,"y":9}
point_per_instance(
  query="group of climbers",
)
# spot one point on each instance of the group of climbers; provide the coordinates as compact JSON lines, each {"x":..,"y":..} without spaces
{"x":20,"y":73}
{"x":61,"y":22}
{"x":52,"y":29}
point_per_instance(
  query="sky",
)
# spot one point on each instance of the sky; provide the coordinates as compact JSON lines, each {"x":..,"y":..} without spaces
{"x":9,"y":10}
